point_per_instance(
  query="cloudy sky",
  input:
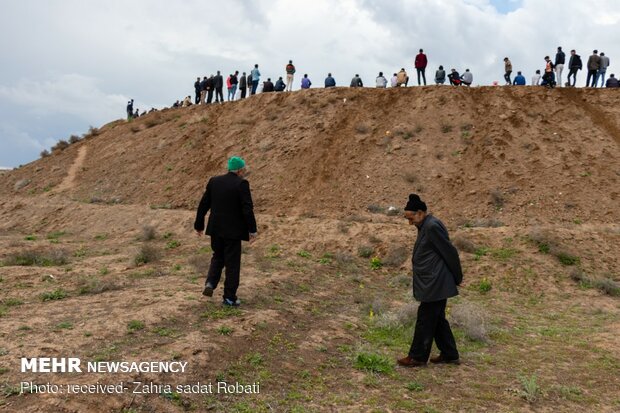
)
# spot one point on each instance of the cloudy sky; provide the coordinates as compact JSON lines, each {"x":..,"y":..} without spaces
{"x":69,"y":64}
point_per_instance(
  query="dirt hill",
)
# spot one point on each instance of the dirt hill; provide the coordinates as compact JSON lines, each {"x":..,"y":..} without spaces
{"x":516,"y":155}
{"x":99,"y":259}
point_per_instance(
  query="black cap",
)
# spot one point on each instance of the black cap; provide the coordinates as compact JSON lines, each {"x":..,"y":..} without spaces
{"x":415,"y":203}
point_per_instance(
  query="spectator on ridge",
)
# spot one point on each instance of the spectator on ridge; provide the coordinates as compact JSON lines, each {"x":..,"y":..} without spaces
{"x":219,"y":87}
{"x":507,"y":70}
{"x":455,"y":78}
{"x":242,"y":85}
{"x":197,"y":90}
{"x":280,"y":85}
{"x":612,"y":81}
{"x":210,"y":88}
{"x":255,"y":78}
{"x":440,"y":76}
{"x":187,"y":101}
{"x":536,"y":78}
{"x":560,"y":58}
{"x":356,"y":81}
{"x":305,"y":82}
{"x":420,"y":66}
{"x":229,"y":86}
{"x":330,"y":81}
{"x":574,"y":64}
{"x":467,"y":78}
{"x":394,"y":80}
{"x":268,"y":86}
{"x":137,"y":113}
{"x":549,"y":76}
{"x":249,"y":83}
{"x":402,"y":78}
{"x":381,"y":81}
{"x":290,"y":74}
{"x":519,"y":80}
{"x":602,"y":69}
{"x":203,"y":90}
{"x":130,"y":109}
{"x":594,"y":64}
{"x":234,"y":81}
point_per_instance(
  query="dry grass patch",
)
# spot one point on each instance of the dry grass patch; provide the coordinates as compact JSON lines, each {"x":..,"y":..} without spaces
{"x":472,"y":320}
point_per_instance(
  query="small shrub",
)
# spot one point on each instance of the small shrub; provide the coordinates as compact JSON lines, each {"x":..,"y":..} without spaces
{"x":135,"y":325}
{"x":95,"y":285}
{"x":304,"y":254}
{"x":44,"y":153}
{"x":484,"y":286}
{"x":497,"y":198}
{"x":568,"y":259}
{"x":418,"y":129}
{"x":530,"y":389}
{"x":148,"y":233}
{"x":38,"y":258}
{"x":146,"y":254}
{"x":375,"y":263}
{"x":608,"y":286}
{"x":173,"y":244}
{"x":374,"y":363}
{"x":57,"y":294}
{"x":200,"y":263}
{"x":414,"y":386}
{"x":446,"y":128}
{"x":61,"y":145}
{"x":396,"y":257}
{"x":225,"y":331}
{"x":471,"y":319}
{"x":74,"y":139}
{"x":343,"y":227}
{"x":464,"y":244}
{"x":376,"y":209}
{"x":30,"y":238}
{"x":65,"y":325}
{"x":92,"y":131}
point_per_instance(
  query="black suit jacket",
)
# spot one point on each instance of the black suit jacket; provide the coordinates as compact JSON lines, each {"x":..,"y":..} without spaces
{"x":232,"y":212}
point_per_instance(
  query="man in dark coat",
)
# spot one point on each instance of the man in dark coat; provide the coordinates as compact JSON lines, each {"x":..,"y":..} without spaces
{"x":210,"y":87}
{"x":574,"y":64}
{"x":242,"y":85}
{"x":231,"y":221}
{"x":197,"y":89}
{"x":436,"y":274}
{"x":218,"y":81}
{"x":420,"y":66}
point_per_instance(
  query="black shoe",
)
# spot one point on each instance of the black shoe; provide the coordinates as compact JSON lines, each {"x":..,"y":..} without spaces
{"x":442,"y":360}
{"x":230,"y":303}
{"x":208,"y":291}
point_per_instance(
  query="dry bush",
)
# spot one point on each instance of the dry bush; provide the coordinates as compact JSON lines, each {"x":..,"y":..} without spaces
{"x":40,"y":258}
{"x":343,"y":228}
{"x":200,"y":263}
{"x":472,"y":320}
{"x":377,"y":306}
{"x":376,"y":209}
{"x":549,"y":244}
{"x":608,"y":286}
{"x":60,"y":145}
{"x":396,"y":257}
{"x":95,"y":285}
{"x":92,"y":131}
{"x":446,"y":127}
{"x":147,"y":253}
{"x":464,"y":244}
{"x":20,"y":184}
{"x":74,"y":139}
{"x":343,"y":259}
{"x":403,"y":317}
{"x":365,"y":251}
{"x":148,"y":233}
{"x":44,"y":153}
{"x":497,"y":198}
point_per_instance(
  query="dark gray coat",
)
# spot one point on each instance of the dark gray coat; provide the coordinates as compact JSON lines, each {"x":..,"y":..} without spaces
{"x":436,"y":265}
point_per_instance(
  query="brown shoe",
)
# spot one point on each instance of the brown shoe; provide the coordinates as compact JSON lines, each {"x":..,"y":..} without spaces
{"x":441,"y":360}
{"x":409,"y":362}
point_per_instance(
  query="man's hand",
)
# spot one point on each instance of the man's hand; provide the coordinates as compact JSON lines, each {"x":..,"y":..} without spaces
{"x":253,"y":238}
{"x":199,"y":233}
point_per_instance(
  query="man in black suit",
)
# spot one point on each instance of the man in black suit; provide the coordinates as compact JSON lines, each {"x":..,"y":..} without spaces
{"x":231,"y":221}
{"x":219,"y":86}
{"x":436,"y":274}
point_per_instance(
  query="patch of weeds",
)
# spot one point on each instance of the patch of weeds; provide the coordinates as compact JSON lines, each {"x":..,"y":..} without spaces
{"x":135,"y":325}
{"x":38,"y":258}
{"x":577,"y":221}
{"x":497,"y":198}
{"x":163,"y":331}
{"x":484,"y":286}
{"x":65,"y":325}
{"x":57,"y":294}
{"x":396,"y":257}
{"x":225,"y":331}
{"x":274,"y":251}
{"x":472,"y":320}
{"x":418,"y":128}
{"x":12,"y":302}
{"x":255,"y":359}
{"x":566,"y":258}
{"x":104,"y":271}
{"x":326,"y":258}
{"x":414,"y":386}
{"x":101,"y":237}
{"x":343,"y":227}
{"x":375,"y":263}
{"x":80,"y":252}
{"x":374,"y":363}
{"x":30,"y":237}
{"x":161,"y":206}
{"x":220,"y":313}
{"x":503,"y":253}
{"x":481,"y":252}
{"x":148,"y":233}
{"x":167,"y":235}
{"x":365,"y":251}
{"x":95,"y":285}
{"x":376,"y":209}
{"x":304,"y":254}
{"x":530,"y":390}
{"x":146,"y":254}
{"x":55,"y":235}
{"x":173,"y":244}
{"x":446,"y":127}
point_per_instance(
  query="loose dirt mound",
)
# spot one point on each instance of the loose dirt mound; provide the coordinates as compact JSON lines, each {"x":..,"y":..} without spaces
{"x":512,"y":154}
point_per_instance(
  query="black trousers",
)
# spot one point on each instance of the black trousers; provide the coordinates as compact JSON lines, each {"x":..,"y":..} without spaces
{"x":432,"y":325}
{"x":573,"y":73}
{"x":243,"y":93}
{"x":226,"y":254}
{"x":219,"y":95}
{"x":209,"y":95}
{"x":507,"y":77}
{"x":197,"y":100}
{"x":422,"y":72}
{"x":591,"y":75}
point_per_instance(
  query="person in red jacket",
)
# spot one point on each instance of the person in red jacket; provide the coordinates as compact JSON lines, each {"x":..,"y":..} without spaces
{"x":420,"y":66}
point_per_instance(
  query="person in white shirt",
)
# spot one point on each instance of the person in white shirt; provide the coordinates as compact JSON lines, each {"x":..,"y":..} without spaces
{"x":467,"y":78}
{"x":381,"y":80}
{"x":394,"y":80}
{"x":536,"y":78}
